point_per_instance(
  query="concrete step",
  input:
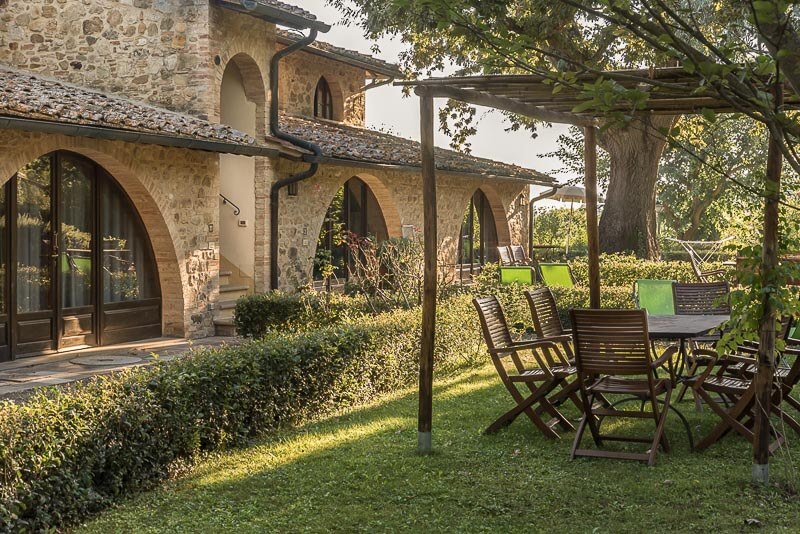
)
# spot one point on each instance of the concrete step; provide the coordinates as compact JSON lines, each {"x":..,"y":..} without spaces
{"x":232,"y":292}
{"x":225,"y":327}
{"x":225,"y":309}
{"x":225,"y":277}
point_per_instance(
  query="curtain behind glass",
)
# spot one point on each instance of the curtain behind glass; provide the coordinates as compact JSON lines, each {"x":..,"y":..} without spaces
{"x":128,"y":267}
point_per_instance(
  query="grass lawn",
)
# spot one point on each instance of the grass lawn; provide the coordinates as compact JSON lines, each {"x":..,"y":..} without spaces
{"x":358,"y":471}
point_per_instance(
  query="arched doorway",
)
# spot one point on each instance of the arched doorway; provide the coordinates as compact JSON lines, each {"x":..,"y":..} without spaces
{"x":76,"y":264}
{"x":477,"y":244}
{"x":354,"y":213}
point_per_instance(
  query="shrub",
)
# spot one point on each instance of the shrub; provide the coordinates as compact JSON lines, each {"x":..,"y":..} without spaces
{"x":67,"y":453}
{"x":260,"y":313}
{"x":624,"y":269}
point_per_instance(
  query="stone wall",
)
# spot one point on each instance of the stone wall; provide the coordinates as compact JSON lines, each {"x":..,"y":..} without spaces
{"x":153,"y":50}
{"x":175,"y":192}
{"x":399,"y":194}
{"x":299,"y":74}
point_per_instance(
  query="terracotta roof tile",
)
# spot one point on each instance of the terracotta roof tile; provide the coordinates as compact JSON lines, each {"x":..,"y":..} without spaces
{"x":294,"y":10}
{"x":341,"y":141}
{"x":31,"y":96}
{"x":384,"y":67}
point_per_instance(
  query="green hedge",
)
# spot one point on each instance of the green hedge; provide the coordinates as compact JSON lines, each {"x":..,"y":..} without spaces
{"x":68,"y":453}
{"x":623,"y":269}
{"x":260,"y":313}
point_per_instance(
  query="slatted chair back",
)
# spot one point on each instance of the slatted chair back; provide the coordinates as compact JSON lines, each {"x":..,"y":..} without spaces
{"x":544,"y":312}
{"x":710,"y":298}
{"x":519,"y":256}
{"x":556,"y":274}
{"x":611,"y":342}
{"x":493,"y":323}
{"x":506,"y":258}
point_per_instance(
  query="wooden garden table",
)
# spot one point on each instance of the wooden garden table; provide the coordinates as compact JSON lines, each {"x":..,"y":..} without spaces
{"x":682,"y":328}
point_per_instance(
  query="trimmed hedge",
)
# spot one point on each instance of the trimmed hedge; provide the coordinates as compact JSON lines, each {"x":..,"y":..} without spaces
{"x":67,"y":453}
{"x":623,"y":270}
{"x":260,"y":313}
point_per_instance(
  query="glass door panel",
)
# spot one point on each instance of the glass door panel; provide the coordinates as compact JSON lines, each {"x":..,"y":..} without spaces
{"x":34,"y":256}
{"x":5,"y":352}
{"x":34,"y":237}
{"x":76,"y":250}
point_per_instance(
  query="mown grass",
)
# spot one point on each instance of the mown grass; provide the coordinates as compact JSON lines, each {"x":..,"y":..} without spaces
{"x":359,"y":471}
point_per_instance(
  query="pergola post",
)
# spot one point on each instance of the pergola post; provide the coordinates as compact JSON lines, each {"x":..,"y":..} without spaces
{"x":424,"y":444}
{"x":593,"y":238}
{"x":766,"y":349}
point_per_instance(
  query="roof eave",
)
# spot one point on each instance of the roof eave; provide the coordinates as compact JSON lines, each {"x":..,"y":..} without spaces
{"x":132,"y":136}
{"x":275,"y":15}
{"x":414,"y":168}
{"x":342,"y":58}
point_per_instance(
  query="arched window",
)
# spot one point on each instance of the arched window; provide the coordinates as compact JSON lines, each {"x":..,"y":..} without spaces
{"x":323,"y":100}
{"x":354,"y":213}
{"x":478,"y":240}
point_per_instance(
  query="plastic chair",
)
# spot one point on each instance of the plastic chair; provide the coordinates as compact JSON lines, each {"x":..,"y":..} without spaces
{"x":655,"y":296}
{"x":556,"y":275}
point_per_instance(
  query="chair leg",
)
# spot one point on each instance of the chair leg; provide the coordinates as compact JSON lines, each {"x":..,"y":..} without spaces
{"x":730,"y":419}
{"x":524,"y":406}
{"x":660,"y":437}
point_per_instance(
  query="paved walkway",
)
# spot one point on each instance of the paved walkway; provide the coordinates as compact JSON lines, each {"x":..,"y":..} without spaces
{"x":24,"y":374}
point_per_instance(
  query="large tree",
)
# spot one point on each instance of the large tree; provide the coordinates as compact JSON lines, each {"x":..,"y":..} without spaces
{"x":543,"y":37}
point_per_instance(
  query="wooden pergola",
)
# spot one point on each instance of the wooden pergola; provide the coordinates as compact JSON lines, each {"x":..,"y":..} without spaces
{"x":670,"y":91}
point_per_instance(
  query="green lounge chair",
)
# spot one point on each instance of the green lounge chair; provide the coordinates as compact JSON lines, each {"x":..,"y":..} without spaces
{"x":556,"y":275}
{"x":655,"y":296}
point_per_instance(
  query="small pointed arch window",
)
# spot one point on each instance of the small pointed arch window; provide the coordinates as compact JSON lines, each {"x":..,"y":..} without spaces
{"x":323,"y":100}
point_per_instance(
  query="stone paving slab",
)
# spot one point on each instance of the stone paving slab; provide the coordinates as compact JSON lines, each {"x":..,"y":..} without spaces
{"x":25,"y":374}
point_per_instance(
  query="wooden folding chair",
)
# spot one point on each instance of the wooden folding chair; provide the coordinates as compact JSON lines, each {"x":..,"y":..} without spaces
{"x":547,"y":321}
{"x":706,"y":298}
{"x":739,"y":395}
{"x":506,"y":258}
{"x":612,"y":347}
{"x":552,"y":372}
{"x":519,"y":256}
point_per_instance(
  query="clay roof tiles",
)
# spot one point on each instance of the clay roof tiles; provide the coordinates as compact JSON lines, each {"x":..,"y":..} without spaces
{"x":344,"y":142}
{"x":35,"y":97}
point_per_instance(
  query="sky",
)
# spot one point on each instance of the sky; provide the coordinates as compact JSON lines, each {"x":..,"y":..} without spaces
{"x":388,"y":110}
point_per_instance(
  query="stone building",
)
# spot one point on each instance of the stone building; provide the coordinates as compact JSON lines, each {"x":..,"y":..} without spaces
{"x":141,"y":142}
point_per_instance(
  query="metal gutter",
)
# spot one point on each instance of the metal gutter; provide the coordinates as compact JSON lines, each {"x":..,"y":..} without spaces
{"x":129,"y":136}
{"x":274,"y":117}
{"x":274,"y":14}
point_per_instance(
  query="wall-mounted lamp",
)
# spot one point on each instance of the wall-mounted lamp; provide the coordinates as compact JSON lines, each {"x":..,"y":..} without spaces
{"x":210,"y":228}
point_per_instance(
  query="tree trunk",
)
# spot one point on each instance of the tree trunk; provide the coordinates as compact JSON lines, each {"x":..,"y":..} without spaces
{"x":628,"y":222}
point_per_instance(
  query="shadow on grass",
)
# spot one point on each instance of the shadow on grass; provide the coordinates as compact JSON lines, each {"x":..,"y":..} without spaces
{"x":359,"y":471}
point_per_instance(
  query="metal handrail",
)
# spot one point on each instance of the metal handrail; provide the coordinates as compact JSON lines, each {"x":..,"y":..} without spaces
{"x":226,"y":200}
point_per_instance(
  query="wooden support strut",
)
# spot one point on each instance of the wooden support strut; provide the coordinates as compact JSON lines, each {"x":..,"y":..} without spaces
{"x":766,"y":349}
{"x":424,"y":444}
{"x":593,"y":238}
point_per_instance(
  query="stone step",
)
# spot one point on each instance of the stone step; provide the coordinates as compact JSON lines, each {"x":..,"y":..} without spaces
{"x":232,"y":292}
{"x":225,"y":309}
{"x":225,"y":277}
{"x":225,"y":327}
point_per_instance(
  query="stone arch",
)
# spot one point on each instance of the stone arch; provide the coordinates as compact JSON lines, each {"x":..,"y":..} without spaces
{"x":253,"y":82}
{"x":121,"y":165}
{"x":498,"y":214}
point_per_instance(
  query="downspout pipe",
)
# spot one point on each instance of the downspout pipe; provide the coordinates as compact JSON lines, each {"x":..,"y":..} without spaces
{"x":274,"y":192}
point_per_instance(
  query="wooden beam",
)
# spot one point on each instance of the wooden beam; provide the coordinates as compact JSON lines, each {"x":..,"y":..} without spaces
{"x":590,"y":183}
{"x":507,"y":104}
{"x":424,"y":441}
{"x":766,"y":348}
